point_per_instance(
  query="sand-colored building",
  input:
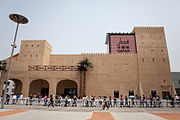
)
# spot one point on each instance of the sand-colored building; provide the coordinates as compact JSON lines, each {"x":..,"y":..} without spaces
{"x":137,"y":63}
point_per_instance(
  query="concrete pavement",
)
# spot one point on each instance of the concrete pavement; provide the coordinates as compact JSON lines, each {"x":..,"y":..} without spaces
{"x":48,"y":115}
{"x":78,"y":113}
{"x":59,"y":115}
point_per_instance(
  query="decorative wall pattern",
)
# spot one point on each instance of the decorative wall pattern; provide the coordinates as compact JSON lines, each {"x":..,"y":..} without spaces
{"x":51,"y":68}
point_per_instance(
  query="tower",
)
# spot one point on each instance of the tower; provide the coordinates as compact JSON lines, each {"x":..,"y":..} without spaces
{"x":35,"y":52}
{"x":153,"y":61}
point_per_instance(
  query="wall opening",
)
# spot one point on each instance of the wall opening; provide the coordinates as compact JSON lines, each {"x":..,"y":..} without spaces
{"x":116,"y":93}
{"x":39,"y":87}
{"x":67,"y":87}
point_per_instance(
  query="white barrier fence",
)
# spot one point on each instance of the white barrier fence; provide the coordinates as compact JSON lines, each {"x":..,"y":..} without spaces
{"x":95,"y":103}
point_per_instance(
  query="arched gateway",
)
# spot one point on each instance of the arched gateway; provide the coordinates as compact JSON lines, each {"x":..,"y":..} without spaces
{"x":39,"y":87}
{"x":18,"y":86}
{"x":66,"y":87}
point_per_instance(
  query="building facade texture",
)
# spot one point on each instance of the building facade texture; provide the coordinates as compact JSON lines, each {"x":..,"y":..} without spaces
{"x":136,"y":62}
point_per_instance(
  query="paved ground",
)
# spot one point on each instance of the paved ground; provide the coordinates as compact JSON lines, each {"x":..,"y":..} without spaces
{"x":136,"y":116}
{"x":57,"y":115}
{"x":101,"y":116}
{"x":169,"y":116}
{"x":10,"y":112}
{"x":18,"y":112}
{"x":92,"y":109}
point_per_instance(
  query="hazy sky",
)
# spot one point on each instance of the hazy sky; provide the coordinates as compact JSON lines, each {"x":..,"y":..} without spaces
{"x":80,"y":26}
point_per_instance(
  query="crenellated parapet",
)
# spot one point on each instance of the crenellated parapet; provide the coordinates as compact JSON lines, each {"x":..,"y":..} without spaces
{"x":148,"y":30}
{"x":108,"y":54}
{"x":94,"y":53}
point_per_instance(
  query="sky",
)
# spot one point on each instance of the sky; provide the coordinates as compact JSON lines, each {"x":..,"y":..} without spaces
{"x":80,"y":26}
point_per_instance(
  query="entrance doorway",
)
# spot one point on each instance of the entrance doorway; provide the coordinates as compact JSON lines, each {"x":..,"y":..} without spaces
{"x":67,"y":87}
{"x":39,"y":87}
{"x":44,"y":91}
{"x":153,"y":93}
{"x":70,"y":92}
{"x":14,"y":87}
{"x":164,"y":94}
{"x":116,"y":93}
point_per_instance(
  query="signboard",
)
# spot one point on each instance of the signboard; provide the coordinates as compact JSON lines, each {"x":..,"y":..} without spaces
{"x":122,"y":43}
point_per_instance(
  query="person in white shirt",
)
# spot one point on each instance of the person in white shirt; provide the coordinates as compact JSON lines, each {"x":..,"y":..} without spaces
{"x":177,"y":98}
{"x":21,"y":98}
{"x":14,"y":99}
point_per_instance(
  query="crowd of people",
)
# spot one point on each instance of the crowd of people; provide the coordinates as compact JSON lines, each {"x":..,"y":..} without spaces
{"x":92,"y":101}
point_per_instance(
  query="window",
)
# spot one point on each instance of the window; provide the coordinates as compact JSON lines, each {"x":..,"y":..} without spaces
{"x":153,"y":93}
{"x":26,"y":45}
{"x":7,"y":83}
{"x":116,"y":93}
{"x":131,"y":92}
{"x":12,"y":90}
{"x":153,"y":59}
{"x":179,"y":81}
{"x":32,"y":45}
{"x":163,"y":60}
{"x":30,"y":55}
{"x":37,"y":45}
{"x":36,"y":55}
{"x":142,"y":59}
{"x":25,"y":55}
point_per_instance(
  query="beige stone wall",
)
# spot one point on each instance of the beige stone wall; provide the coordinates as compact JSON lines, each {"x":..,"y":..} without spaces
{"x":66,"y":60}
{"x":47,"y":53}
{"x":142,"y":72}
{"x":112,"y":72}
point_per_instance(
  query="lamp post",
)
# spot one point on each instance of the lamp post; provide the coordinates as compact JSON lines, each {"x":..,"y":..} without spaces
{"x":19,"y":19}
